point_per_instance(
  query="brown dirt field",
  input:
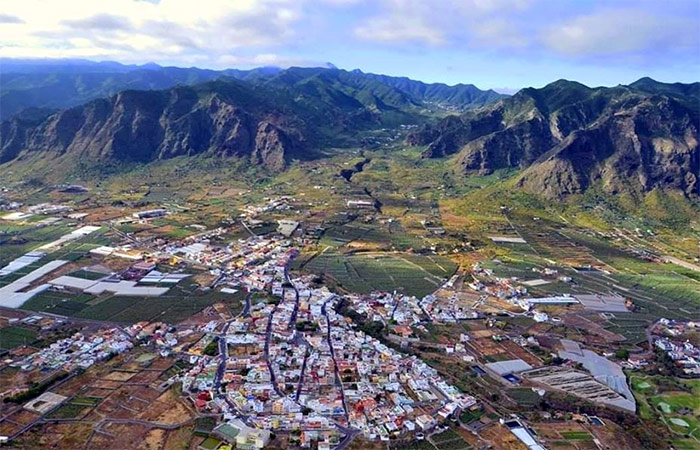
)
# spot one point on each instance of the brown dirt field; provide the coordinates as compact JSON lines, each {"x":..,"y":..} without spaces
{"x":112,"y":408}
{"x":145,"y":376}
{"x":23,"y":351}
{"x":115,"y":263}
{"x":364,"y":245}
{"x":119,"y":376}
{"x":592,"y":327}
{"x":487,"y":347}
{"x":76,"y":384}
{"x":501,"y":438}
{"x":137,"y":398}
{"x":178,"y":412}
{"x":154,"y":439}
{"x":63,"y":436}
{"x":122,"y":437}
{"x":519,"y":352}
{"x":97,"y":392}
{"x":539,"y":328}
{"x":614,"y":436}
{"x":467,"y":436}
{"x":127,"y":402}
{"x":106,"y":384}
{"x":203,"y":278}
{"x":132,"y":365}
{"x":104,"y":213}
{"x":8,"y":428}
{"x":553,"y":430}
{"x":24,"y":417}
{"x":180,"y":439}
{"x":478,"y":334}
{"x":168,"y":408}
{"x":161,"y":363}
{"x":362,"y":444}
{"x":222,"y":309}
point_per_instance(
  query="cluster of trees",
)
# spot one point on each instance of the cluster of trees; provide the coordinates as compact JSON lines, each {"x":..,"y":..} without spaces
{"x":212,"y":348}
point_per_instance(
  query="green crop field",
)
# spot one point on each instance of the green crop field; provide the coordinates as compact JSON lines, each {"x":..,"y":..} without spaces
{"x":364,"y":272}
{"x":75,"y":408}
{"x":179,"y":303}
{"x":87,"y":274}
{"x":471,"y":416}
{"x":415,"y":445}
{"x":446,"y":435}
{"x":15,"y":336}
{"x":675,"y":402}
{"x":577,"y":435}
{"x":64,"y":304}
{"x":449,"y":440}
{"x":524,"y":396}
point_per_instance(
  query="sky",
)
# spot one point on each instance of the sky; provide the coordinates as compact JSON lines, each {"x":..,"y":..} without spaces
{"x":499,"y":44}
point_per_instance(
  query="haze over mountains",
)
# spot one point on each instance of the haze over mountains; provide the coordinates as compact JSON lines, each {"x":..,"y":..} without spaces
{"x":564,"y":137}
{"x":59,"y":84}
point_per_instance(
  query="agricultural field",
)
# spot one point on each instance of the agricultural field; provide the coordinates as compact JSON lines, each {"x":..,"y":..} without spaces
{"x":75,"y":408}
{"x":61,"y":303}
{"x":178,"y":304}
{"x":15,"y":336}
{"x":675,"y":402}
{"x":525,"y":397}
{"x":449,"y":440}
{"x":415,"y":275}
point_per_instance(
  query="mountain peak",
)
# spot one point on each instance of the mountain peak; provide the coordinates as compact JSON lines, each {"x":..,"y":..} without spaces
{"x":568,"y":137}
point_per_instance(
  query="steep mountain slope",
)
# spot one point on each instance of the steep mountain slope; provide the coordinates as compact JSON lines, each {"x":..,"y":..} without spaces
{"x":222,"y":118}
{"x":270,"y":118}
{"x":569,"y":137}
{"x":59,"y":85}
{"x":650,"y":144}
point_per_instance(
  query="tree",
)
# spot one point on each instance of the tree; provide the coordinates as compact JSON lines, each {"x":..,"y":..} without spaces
{"x":622,"y":353}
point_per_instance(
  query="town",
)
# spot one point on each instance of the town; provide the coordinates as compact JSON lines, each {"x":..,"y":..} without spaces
{"x":258,"y":332}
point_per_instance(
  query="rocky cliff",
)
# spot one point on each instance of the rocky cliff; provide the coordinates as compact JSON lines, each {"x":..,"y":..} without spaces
{"x":568,"y":137}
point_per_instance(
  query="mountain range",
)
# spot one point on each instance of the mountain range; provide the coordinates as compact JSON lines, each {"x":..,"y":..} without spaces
{"x":567,"y":137}
{"x":564,"y":138}
{"x":65,"y":83}
{"x":267,"y":115}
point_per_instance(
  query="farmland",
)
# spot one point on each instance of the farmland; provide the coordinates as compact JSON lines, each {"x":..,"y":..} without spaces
{"x":675,"y":402}
{"x":15,"y":336}
{"x":178,"y":304}
{"x":76,"y":408}
{"x":419,"y":234}
{"x":363,"y":272}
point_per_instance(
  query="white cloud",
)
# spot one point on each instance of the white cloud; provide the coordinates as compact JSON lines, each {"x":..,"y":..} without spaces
{"x":10,"y":19}
{"x":264,"y":59}
{"x":209,"y":32}
{"x":139,"y":30}
{"x":400,"y":29}
{"x":619,"y":31}
{"x":473,"y":22}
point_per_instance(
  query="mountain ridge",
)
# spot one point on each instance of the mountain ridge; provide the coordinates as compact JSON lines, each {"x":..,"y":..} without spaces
{"x":51,"y":84}
{"x":649,"y":134}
